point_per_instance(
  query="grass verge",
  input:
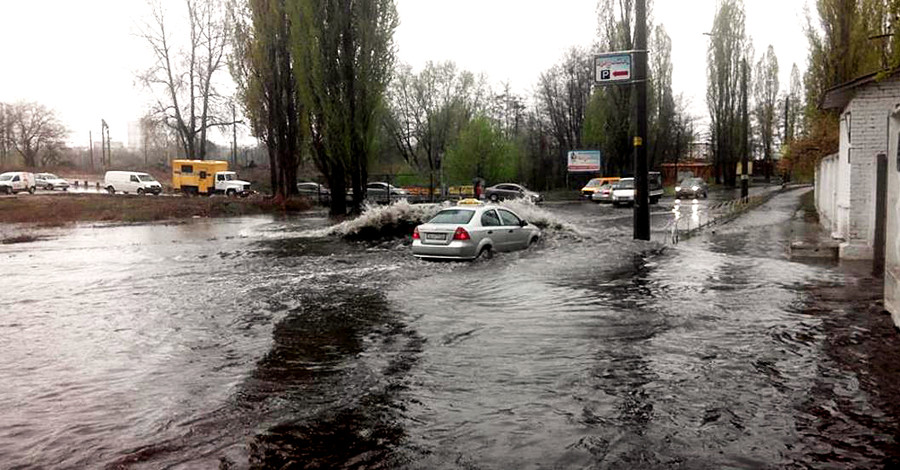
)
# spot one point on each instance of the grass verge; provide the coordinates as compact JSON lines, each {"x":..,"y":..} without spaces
{"x":57,"y":210}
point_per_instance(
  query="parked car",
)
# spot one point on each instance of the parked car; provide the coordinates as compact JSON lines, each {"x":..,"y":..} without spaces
{"x":131,"y":182}
{"x":17,"y":181}
{"x":314,"y":191}
{"x":49,"y":181}
{"x":511,"y":191}
{"x":472,"y":229}
{"x":693,"y":188}
{"x":380,"y":191}
{"x":623,"y":192}
{"x":604,"y":193}
{"x":593,"y":186}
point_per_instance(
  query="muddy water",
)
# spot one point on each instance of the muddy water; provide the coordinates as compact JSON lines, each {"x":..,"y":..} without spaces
{"x":245,"y":344}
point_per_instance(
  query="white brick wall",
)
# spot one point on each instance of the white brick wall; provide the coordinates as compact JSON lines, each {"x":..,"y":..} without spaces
{"x":866,"y":121}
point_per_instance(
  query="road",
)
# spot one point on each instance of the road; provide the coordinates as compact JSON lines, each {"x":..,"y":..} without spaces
{"x":250,"y":343}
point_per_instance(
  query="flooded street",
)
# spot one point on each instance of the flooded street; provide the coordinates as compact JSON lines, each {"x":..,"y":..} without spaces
{"x":250,"y":343}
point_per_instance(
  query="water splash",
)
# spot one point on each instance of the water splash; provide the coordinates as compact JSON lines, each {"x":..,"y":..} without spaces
{"x":398,"y":219}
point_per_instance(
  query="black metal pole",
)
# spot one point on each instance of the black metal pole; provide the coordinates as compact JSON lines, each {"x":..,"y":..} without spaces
{"x":745,"y":134}
{"x":641,"y":186}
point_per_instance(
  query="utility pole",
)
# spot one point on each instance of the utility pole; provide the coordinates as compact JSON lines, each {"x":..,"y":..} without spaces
{"x":234,"y":136}
{"x":91,"y":147}
{"x":641,"y":186}
{"x":745,"y":135}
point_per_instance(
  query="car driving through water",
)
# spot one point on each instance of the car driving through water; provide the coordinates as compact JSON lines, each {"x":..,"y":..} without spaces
{"x":471,"y":230}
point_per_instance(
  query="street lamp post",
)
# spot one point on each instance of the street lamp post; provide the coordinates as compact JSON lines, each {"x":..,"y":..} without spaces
{"x":745,"y":134}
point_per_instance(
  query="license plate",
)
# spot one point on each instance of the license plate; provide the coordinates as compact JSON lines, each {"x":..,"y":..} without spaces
{"x":435,"y":236}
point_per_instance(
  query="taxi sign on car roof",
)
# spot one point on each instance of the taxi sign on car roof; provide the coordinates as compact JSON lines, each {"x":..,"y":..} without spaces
{"x":469,"y":202}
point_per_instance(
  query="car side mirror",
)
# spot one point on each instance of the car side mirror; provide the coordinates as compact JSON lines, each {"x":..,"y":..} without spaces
{"x":522,"y":223}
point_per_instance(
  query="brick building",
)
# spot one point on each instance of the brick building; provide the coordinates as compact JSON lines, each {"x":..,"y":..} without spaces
{"x":846,"y":181}
{"x":858,"y":189}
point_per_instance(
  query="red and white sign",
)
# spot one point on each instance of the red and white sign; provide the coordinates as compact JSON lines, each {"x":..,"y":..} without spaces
{"x":612,"y":68}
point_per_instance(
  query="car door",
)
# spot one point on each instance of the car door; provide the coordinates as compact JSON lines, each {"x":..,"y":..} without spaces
{"x":516,"y":235}
{"x":133,"y":183}
{"x":492,"y":227}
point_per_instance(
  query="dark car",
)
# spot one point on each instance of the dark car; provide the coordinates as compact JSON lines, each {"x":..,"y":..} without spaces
{"x":692,"y":188}
{"x":314,"y":191}
{"x":511,"y":191}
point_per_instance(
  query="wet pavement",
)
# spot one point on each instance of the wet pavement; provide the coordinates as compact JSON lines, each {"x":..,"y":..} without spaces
{"x":251,"y":343}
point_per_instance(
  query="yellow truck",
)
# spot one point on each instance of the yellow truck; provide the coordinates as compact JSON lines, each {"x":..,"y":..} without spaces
{"x":207,"y":177}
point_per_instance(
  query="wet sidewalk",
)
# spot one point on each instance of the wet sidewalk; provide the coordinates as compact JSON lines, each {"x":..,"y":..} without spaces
{"x":844,"y":391}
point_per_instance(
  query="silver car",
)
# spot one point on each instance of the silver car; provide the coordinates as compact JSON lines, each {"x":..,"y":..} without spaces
{"x":511,"y":191}
{"x":472,"y":230}
{"x":49,"y":181}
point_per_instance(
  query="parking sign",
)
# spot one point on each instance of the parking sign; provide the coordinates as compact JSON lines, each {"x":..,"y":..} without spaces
{"x":613,"y":68}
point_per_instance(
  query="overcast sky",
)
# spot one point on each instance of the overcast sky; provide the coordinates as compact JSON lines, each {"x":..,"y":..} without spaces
{"x":79,"y":57}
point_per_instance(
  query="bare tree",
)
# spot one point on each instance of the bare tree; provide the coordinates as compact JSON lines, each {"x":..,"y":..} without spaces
{"x":183,"y":76}
{"x":428,"y":111}
{"x":35,"y":131}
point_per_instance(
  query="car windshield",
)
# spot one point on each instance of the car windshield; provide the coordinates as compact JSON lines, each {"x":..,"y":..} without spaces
{"x":228,"y":177}
{"x":625,"y":184}
{"x":5,"y":177}
{"x":453,"y":216}
{"x":594,"y":183}
{"x":145,"y":177}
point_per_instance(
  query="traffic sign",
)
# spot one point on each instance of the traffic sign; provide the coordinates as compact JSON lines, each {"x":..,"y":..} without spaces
{"x":615,"y":67}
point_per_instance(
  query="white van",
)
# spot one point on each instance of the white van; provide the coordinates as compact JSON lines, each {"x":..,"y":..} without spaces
{"x":131,"y":182}
{"x":16,"y":181}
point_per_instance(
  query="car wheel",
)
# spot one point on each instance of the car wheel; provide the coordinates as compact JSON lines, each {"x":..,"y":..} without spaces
{"x":230,"y":193}
{"x":111,"y":190}
{"x":140,"y":191}
{"x":532,"y":241}
{"x":31,"y":190}
{"x":485,"y":253}
{"x":49,"y":187}
{"x":494,"y":198}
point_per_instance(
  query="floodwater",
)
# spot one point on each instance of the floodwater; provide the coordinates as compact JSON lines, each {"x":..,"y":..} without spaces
{"x":248,"y":343}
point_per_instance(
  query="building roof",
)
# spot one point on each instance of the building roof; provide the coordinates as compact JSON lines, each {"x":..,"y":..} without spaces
{"x":838,"y":97}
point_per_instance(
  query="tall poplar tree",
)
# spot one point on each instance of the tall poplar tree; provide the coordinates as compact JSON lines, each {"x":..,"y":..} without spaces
{"x":343,"y":58}
{"x":263,"y":70}
{"x":727,"y":51}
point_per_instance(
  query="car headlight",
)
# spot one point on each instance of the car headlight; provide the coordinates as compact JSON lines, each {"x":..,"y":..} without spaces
{"x":694,"y":188}
{"x":677,"y":188}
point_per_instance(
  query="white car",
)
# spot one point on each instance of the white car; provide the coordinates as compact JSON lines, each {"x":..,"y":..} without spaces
{"x":471,"y":230}
{"x":623,"y":192}
{"x":131,"y":182}
{"x":383,"y":192}
{"x":17,"y":181}
{"x":49,"y":181}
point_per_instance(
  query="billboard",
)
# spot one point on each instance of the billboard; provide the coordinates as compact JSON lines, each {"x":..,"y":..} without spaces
{"x":581,"y":161}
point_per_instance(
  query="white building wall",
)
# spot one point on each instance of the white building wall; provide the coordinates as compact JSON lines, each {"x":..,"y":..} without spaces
{"x":826,"y":191}
{"x":892,"y":245}
{"x":863,"y":134}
